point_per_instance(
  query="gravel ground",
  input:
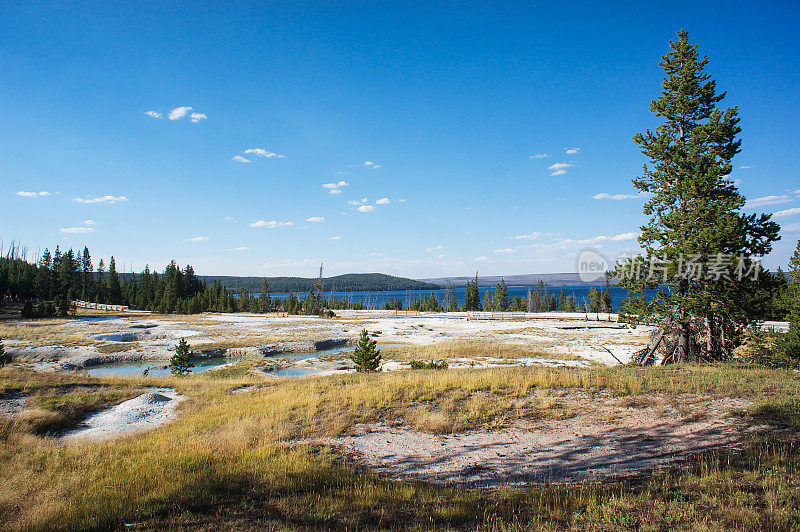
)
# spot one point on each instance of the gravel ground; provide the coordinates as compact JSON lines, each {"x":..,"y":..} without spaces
{"x":142,"y":413}
{"x":604,"y":441}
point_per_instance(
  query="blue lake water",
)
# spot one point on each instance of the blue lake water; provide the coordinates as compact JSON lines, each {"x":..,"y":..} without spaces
{"x":376,"y":299}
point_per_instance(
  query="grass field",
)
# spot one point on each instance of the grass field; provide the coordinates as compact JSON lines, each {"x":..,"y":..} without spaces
{"x":229,"y":461}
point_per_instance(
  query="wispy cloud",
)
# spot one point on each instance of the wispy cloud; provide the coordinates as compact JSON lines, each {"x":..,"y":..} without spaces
{"x":746,"y":166}
{"x":605,"y":196}
{"x":271,"y":224}
{"x":767,"y":200}
{"x":530,"y":236}
{"x":334,"y":238}
{"x":357,"y":202}
{"x":179,"y":112}
{"x":539,"y":156}
{"x":261,"y":152}
{"x":240,"y":159}
{"x":482,"y":258}
{"x":370,"y":164}
{"x":41,"y":194}
{"x":435,"y":248}
{"x":335,"y":188}
{"x":76,"y":230}
{"x":572,"y":151}
{"x":559,"y":168}
{"x":88,"y":222}
{"x":621,"y":237}
{"x":504,"y":251}
{"x":154,"y":114}
{"x":401,"y":200}
{"x":316,"y":219}
{"x":366,"y":208}
{"x":383,"y":201}
{"x":787,"y":213}
{"x":791,"y":228}
{"x":199,"y":239}
{"x":240,"y":248}
{"x":101,"y":199}
{"x":196,"y":117}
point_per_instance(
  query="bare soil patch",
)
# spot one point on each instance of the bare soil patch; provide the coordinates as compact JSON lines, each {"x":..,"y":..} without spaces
{"x":606,"y":438}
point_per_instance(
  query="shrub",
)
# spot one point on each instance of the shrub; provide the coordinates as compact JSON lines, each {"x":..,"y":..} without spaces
{"x":429,"y":364}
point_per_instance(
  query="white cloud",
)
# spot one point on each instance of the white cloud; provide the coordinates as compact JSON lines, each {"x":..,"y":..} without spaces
{"x":371,"y":164}
{"x":271,"y":224}
{"x":228,"y":218}
{"x":539,"y":156}
{"x":366,"y":208}
{"x":33,"y":194}
{"x":559,"y":166}
{"x":333,"y":188}
{"x":621,"y":237}
{"x":196,"y":117}
{"x":787,"y":213}
{"x":199,"y":239}
{"x":605,"y":196}
{"x":179,"y":112}
{"x":240,"y":248}
{"x":101,"y":199}
{"x":88,"y":222}
{"x":572,"y":151}
{"x":261,"y":152}
{"x":791,"y":228}
{"x":239,"y":158}
{"x":747,"y":166}
{"x":559,"y":172}
{"x":403,"y":200}
{"x":316,"y":219}
{"x":482,"y":258}
{"x":76,"y":229}
{"x":154,"y":114}
{"x":383,"y":201}
{"x":531,"y":236}
{"x":362,"y":201}
{"x":334,"y":238}
{"x":505,"y":251}
{"x":767,"y":200}
{"x":435,"y":248}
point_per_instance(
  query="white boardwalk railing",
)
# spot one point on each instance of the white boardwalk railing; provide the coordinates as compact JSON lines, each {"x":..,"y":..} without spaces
{"x":98,"y":306}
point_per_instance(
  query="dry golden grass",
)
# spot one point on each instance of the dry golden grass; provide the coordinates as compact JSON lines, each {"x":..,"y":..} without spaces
{"x":224,"y":464}
{"x":474,"y":349}
{"x":45,"y":333}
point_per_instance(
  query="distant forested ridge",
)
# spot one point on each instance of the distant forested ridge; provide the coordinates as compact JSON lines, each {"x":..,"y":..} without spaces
{"x":350,"y":282}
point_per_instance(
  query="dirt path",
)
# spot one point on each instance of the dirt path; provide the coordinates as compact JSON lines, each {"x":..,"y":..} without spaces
{"x":142,"y":413}
{"x":601,"y":442}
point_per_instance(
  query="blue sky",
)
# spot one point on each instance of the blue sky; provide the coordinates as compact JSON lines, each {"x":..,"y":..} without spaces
{"x":424,"y":120}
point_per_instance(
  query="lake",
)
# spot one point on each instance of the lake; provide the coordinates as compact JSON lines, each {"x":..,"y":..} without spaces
{"x":376,"y":299}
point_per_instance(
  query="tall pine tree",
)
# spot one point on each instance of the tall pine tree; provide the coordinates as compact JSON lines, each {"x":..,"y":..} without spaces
{"x":694,"y":206}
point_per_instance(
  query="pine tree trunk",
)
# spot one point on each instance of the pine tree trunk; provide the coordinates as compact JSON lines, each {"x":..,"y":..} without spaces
{"x":711,"y":336}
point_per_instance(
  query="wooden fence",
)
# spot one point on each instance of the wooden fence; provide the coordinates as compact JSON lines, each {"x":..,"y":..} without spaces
{"x":98,"y":306}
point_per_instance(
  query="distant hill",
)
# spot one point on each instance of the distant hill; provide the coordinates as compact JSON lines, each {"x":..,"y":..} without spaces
{"x":552,"y":279}
{"x":350,"y":282}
